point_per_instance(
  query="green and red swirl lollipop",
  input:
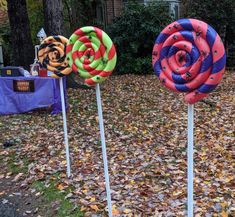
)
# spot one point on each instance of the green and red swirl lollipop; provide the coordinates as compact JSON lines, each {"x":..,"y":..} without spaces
{"x":92,"y":54}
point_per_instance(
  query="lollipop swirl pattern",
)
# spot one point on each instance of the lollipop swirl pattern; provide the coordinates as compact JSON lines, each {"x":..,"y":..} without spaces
{"x":92,"y":54}
{"x":52,"y":56}
{"x":189,"y":56}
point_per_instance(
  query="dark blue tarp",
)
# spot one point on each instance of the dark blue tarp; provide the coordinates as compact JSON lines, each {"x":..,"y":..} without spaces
{"x":46,"y":93}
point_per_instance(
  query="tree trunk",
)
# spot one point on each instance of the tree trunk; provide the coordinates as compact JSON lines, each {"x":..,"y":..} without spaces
{"x":53,"y":17}
{"x":21,"y":42}
{"x":81,"y":13}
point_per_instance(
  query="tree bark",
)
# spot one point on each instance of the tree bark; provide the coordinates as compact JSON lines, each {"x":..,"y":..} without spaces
{"x":21,"y":42}
{"x":53,"y":17}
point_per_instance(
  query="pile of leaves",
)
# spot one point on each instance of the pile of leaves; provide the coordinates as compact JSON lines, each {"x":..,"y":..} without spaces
{"x":146,"y":136}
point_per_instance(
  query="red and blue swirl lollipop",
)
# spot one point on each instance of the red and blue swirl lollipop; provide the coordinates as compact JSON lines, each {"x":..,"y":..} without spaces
{"x":189,"y":56}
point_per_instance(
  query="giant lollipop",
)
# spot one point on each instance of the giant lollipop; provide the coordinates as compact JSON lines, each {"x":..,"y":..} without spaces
{"x":52,"y":56}
{"x":92,"y":54}
{"x":189,"y":56}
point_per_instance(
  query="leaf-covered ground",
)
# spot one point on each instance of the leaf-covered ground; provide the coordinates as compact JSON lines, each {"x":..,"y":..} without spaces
{"x":146,"y":136}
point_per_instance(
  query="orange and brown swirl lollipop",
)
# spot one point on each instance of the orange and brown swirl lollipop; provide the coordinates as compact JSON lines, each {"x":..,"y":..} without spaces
{"x":52,"y":56}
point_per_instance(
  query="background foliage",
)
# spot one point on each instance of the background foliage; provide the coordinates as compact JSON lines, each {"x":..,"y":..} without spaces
{"x":134,"y":33}
{"x":35,"y":13}
{"x":80,"y":13}
{"x":5,"y":41}
{"x":221,"y":16}
{"x":36,"y":18}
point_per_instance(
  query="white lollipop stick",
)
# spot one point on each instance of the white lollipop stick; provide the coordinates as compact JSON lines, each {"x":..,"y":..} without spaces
{"x":65,"y":127}
{"x":106,"y":171}
{"x":190,"y":160}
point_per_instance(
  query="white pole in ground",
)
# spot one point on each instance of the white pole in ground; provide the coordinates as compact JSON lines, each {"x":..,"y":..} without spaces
{"x":190,"y":160}
{"x":106,"y":171}
{"x":65,"y":127}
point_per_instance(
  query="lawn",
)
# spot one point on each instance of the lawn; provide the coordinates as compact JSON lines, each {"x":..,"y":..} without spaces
{"x":146,"y":132}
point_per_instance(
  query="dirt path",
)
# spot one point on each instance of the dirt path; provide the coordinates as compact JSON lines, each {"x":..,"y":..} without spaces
{"x":20,"y":198}
{"x":16,"y":201}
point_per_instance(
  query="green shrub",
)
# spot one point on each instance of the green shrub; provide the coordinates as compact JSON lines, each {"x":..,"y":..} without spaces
{"x":36,"y":18}
{"x":221,"y":16}
{"x":134,"y":33}
{"x":5,"y":42}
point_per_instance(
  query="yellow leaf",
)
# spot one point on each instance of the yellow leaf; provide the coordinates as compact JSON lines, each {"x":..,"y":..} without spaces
{"x":217,"y":199}
{"x":126,"y":211}
{"x":228,"y":179}
{"x":132,"y":182}
{"x":92,"y":199}
{"x":9,"y":174}
{"x":64,"y":162}
{"x":145,"y":132}
{"x":94,"y":207}
{"x":84,"y":191}
{"x":224,"y":204}
{"x":83,"y":208}
{"x":176,"y":193}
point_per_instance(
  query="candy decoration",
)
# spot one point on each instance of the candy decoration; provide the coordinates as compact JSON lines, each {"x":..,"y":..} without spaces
{"x":92,"y":54}
{"x":189,"y":56}
{"x":52,"y":56}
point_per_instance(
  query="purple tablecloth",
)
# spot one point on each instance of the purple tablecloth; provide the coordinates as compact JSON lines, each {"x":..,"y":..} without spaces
{"x":46,"y":93}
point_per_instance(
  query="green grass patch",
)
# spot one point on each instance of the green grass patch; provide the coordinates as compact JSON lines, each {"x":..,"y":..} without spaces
{"x":15,"y":168}
{"x":51,"y":194}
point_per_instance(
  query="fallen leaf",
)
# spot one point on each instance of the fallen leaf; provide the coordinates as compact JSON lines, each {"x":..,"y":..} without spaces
{"x":126,"y":211}
{"x":94,"y":207}
{"x":115,"y":212}
{"x":224,"y":214}
{"x":17,"y":177}
{"x":92,"y":199}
